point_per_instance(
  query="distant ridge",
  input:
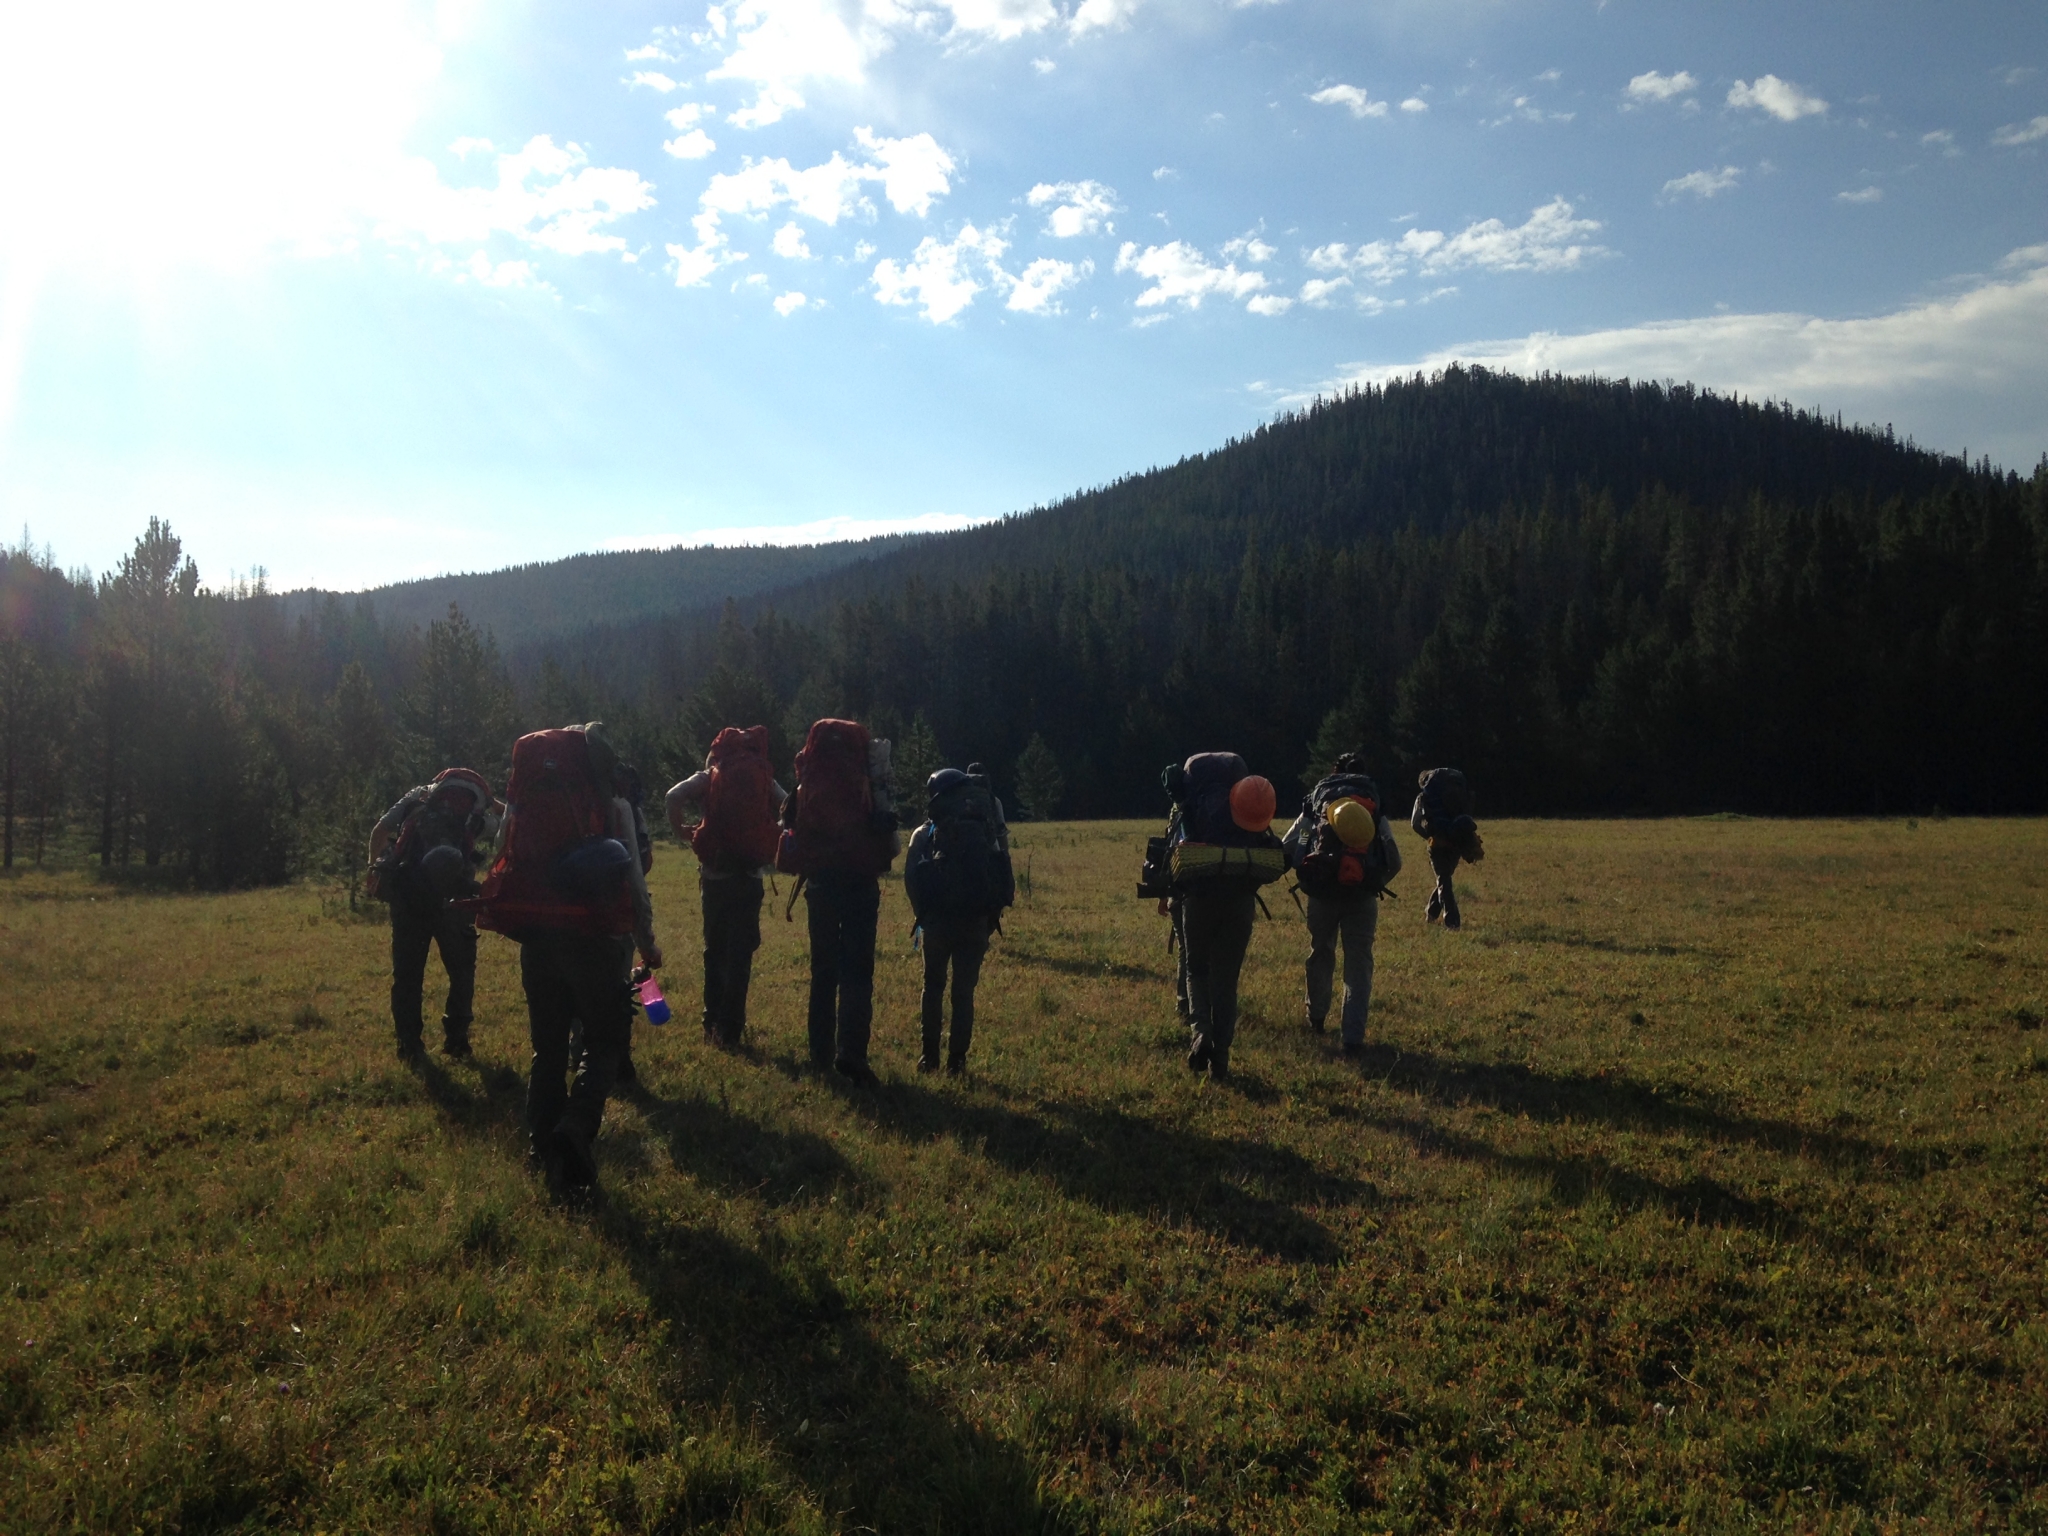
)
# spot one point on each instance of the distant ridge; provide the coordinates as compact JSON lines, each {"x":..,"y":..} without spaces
{"x":523,"y":605}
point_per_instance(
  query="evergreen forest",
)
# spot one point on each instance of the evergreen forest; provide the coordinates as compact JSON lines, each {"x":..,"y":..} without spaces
{"x":1596,"y":597}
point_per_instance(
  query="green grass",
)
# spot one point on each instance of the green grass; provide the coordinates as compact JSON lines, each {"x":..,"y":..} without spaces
{"x":1699,"y":1183}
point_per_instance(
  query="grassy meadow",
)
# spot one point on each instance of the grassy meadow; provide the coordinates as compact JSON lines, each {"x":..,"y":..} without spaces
{"x":1699,"y":1183}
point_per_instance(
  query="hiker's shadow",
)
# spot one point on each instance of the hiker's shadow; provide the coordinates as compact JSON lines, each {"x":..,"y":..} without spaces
{"x":495,"y":1105}
{"x":737,"y":1155}
{"x":768,"y":1340}
{"x":1626,"y":1104}
{"x":1251,"y":1193}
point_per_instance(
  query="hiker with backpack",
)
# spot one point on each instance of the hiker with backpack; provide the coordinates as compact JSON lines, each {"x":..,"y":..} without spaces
{"x":839,"y":835}
{"x":423,"y":855}
{"x":1343,"y":853}
{"x":1443,"y":816}
{"x":727,"y":810}
{"x":1225,"y":852}
{"x":568,"y":888}
{"x":958,"y":878}
{"x":1155,"y":881}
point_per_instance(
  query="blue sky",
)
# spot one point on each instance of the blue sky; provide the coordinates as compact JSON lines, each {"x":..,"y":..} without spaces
{"x":366,"y":290}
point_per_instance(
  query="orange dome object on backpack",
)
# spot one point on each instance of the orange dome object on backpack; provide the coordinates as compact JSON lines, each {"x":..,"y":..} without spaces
{"x":1252,"y":803}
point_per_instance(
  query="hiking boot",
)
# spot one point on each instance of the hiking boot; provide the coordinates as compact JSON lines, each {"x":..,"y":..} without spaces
{"x":926,"y":1064}
{"x":1433,"y":908}
{"x":1219,"y":1066}
{"x":956,"y":1066}
{"x":456,"y":1050}
{"x":1199,"y":1054}
{"x":857,"y":1072}
{"x":579,"y":1168}
{"x":1452,"y":923}
{"x":412,"y":1053}
{"x":1315,"y":1026}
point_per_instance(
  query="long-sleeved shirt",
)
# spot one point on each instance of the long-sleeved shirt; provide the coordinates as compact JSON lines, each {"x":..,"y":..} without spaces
{"x":685,"y":803}
{"x":643,"y":904}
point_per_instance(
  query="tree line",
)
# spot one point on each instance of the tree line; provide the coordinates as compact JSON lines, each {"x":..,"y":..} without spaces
{"x":1593,"y":597}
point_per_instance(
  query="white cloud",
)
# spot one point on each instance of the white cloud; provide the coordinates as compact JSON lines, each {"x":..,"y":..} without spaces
{"x":1320,"y":292}
{"x":503,"y":274}
{"x":694,"y":145}
{"x":1551,"y":239}
{"x":789,"y":303}
{"x":1352,"y":99}
{"x":2021,"y":133}
{"x":914,"y":171}
{"x":1703,"y":183}
{"x":654,"y":80}
{"x":1003,"y":20}
{"x":1181,"y":274}
{"x":1078,"y":207}
{"x":1269,"y":304}
{"x":943,"y":276}
{"x":686,"y":116}
{"x":1651,"y":86}
{"x":1043,"y":66}
{"x":1861,"y":195}
{"x":1781,"y":98}
{"x":1101,"y":16}
{"x":1968,"y":369}
{"x":789,"y":243}
{"x":695,"y":264}
{"x":1037,"y":288}
{"x":1166,"y":173}
{"x":462,"y":149}
{"x":1414,"y":104}
{"x":546,"y":194}
{"x":1251,"y":248}
{"x":1942,"y":139}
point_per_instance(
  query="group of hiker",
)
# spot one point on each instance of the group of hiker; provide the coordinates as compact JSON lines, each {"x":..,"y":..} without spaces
{"x":567,"y":883}
{"x":1219,"y":849}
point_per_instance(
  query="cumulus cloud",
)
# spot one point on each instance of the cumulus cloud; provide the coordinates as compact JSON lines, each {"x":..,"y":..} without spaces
{"x":1651,"y":86}
{"x":1703,"y":183}
{"x":1268,"y":304}
{"x":2021,"y":133}
{"x":1251,"y":248}
{"x":789,"y":243}
{"x":1101,"y":16}
{"x":1352,"y":98}
{"x":1942,"y":139}
{"x":943,"y":276}
{"x":1861,"y":195}
{"x":1078,"y":207}
{"x":1551,"y":239}
{"x":913,"y":171}
{"x":789,"y":303}
{"x":546,"y":194}
{"x":1043,"y":66}
{"x":1414,"y":104}
{"x":1964,"y":370}
{"x":1036,"y":290}
{"x":654,"y":80}
{"x":1181,"y":274}
{"x":694,"y":145}
{"x":1780,"y":98}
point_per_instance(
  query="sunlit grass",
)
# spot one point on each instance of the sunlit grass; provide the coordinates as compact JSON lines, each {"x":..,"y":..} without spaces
{"x":1699,"y":1180}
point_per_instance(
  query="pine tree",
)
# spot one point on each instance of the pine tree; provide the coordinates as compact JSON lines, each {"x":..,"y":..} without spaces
{"x":1040,"y":784}
{"x":917,"y":758}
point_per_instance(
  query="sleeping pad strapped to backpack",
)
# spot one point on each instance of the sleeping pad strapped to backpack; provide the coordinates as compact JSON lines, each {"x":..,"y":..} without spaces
{"x":963,"y":867}
{"x":1211,"y":844}
{"x":738,"y":833}
{"x":554,"y":869}
{"x":1330,"y":869}
{"x":835,"y":824}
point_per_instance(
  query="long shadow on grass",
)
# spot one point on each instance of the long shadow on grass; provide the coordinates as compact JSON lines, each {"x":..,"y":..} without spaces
{"x":769,"y":1338}
{"x":1246,"y":1192}
{"x":738,"y":1155}
{"x":1628,"y":1104}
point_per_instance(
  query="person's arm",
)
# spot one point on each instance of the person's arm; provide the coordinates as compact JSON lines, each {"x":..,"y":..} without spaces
{"x":685,"y":802}
{"x":392,"y":822}
{"x":1297,"y":835}
{"x":643,"y":904}
{"x":1419,"y":819}
{"x":1393,"y":849}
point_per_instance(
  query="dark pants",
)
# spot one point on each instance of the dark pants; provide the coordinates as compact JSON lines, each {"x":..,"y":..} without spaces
{"x":732,"y":932}
{"x":420,"y":921}
{"x":1216,"y":926}
{"x":1355,"y":922}
{"x":962,"y":941}
{"x":572,"y":979}
{"x":1443,"y":901}
{"x":842,"y":910}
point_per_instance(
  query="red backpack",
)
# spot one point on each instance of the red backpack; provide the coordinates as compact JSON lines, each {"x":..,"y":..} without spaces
{"x":556,"y":811}
{"x":835,"y":827}
{"x":738,"y":830}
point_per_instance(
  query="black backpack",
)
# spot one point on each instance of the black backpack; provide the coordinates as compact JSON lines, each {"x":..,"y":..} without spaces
{"x":1329,"y":870}
{"x":963,"y":867}
{"x":1444,"y":798}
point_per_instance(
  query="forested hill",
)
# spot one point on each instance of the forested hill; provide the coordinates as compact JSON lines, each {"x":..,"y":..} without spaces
{"x":527,"y":603}
{"x":1591,"y":596}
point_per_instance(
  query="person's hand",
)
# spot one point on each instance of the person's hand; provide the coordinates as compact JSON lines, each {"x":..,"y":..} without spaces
{"x":1164,"y":909}
{"x":651,"y":958}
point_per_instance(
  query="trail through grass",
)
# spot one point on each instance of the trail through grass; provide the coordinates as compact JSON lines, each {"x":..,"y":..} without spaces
{"x":1699,"y":1182}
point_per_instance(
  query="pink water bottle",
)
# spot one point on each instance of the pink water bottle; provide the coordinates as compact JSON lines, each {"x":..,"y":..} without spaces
{"x":651,"y":1000}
